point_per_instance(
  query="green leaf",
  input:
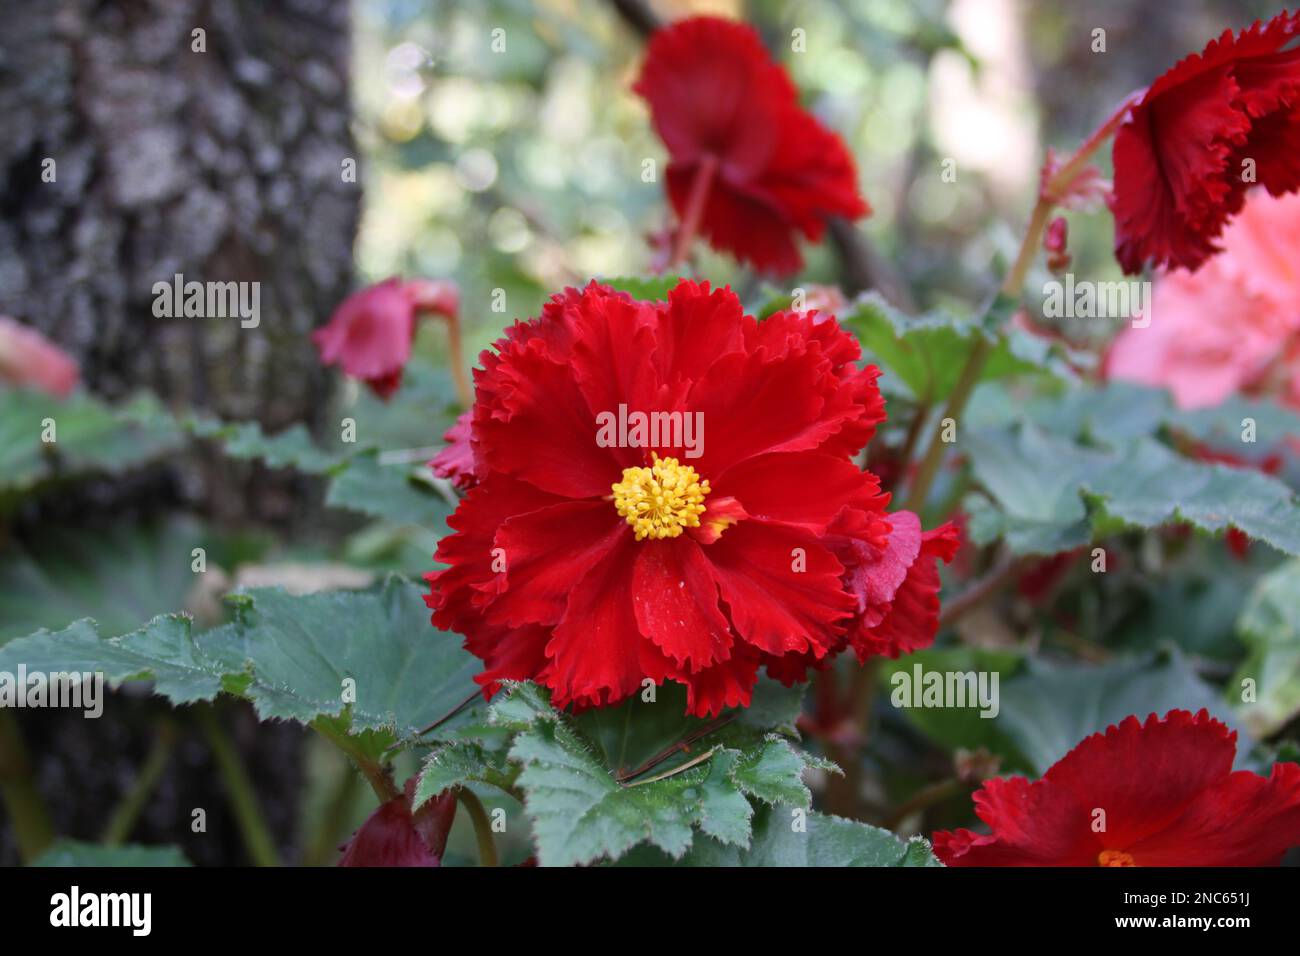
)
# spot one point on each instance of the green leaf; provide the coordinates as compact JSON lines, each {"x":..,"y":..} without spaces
{"x":1051,"y":707}
{"x":78,"y":854}
{"x":1035,"y":509}
{"x":773,"y":773}
{"x":1194,"y":602}
{"x":290,"y":655}
{"x":637,"y":730}
{"x":587,"y":802}
{"x":461,"y":762}
{"x":1045,"y":708}
{"x":1049,"y":494}
{"x":792,"y":837}
{"x":928,"y":352}
{"x":119,"y":575}
{"x":90,"y":436}
{"x":162,"y":651}
{"x":644,"y":289}
{"x":956,"y":727}
{"x":1270,"y":627}
{"x":414,"y":418}
{"x":1113,"y":413}
{"x":581,"y":813}
{"x":291,"y":448}
{"x":1221,"y":425}
{"x":397,"y":493}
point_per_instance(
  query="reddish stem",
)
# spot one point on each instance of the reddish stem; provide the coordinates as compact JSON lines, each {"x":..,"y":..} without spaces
{"x":1063,"y":177}
{"x":690,"y":223}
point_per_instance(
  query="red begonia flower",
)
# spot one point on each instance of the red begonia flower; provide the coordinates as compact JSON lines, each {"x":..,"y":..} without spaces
{"x":29,"y":359}
{"x":1169,"y":797}
{"x":456,"y":461}
{"x":393,"y":836}
{"x":591,"y":558}
{"x":371,"y":332}
{"x":731,"y":120}
{"x":1183,"y":159}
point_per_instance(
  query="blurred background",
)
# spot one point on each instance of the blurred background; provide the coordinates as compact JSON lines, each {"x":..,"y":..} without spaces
{"x":498,"y":144}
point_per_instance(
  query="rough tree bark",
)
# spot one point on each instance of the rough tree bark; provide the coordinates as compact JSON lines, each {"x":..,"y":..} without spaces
{"x":222,"y":165}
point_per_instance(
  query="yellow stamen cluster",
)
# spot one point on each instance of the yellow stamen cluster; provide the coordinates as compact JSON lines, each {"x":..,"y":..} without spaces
{"x":662,"y":500}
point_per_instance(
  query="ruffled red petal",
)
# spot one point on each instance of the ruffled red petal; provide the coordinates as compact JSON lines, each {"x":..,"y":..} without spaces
{"x":676,"y":603}
{"x":1178,"y":157}
{"x":597,"y":654}
{"x":909,"y":621}
{"x":456,"y":461}
{"x":1244,"y":820}
{"x":1162,"y":792}
{"x":826,"y":486}
{"x":532,"y":421}
{"x":460,"y":593}
{"x":761,"y":402}
{"x":729,"y":683}
{"x":781,"y":586}
{"x":537,"y":585}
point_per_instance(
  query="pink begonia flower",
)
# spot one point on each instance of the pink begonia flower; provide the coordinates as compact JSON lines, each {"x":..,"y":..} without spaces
{"x":827,"y":301}
{"x":1233,"y":325}
{"x":29,"y":359}
{"x":371,"y":332}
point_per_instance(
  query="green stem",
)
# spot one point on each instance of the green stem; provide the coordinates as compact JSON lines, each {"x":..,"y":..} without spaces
{"x":334,"y":817}
{"x":920,"y":414}
{"x":974,"y":367}
{"x":1064,"y":177}
{"x":487,"y":847}
{"x":1049,"y":195}
{"x":133,"y":802}
{"x":376,"y":774}
{"x":929,"y":467}
{"x":31,"y":821}
{"x":680,"y":768}
{"x":239,"y":789}
{"x":456,"y":358}
{"x":924,"y":799}
{"x":1002,"y":574}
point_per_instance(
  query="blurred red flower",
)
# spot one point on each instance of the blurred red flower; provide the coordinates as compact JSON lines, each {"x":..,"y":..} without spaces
{"x":29,"y":359}
{"x":1201,"y":136}
{"x":1169,"y":798}
{"x":592,"y":565}
{"x":747,"y":164}
{"x":371,"y":332}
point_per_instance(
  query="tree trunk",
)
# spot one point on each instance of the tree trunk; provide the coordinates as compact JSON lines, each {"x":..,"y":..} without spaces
{"x":217,"y":154}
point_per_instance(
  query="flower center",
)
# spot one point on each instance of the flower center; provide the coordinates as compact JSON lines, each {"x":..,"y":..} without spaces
{"x":662,"y":500}
{"x":1115,"y":858}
